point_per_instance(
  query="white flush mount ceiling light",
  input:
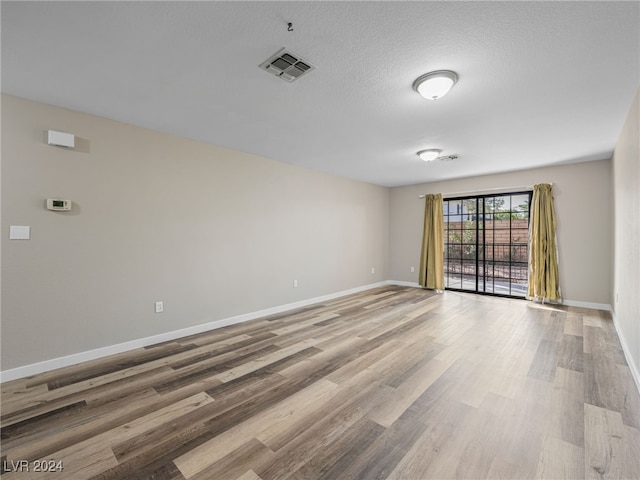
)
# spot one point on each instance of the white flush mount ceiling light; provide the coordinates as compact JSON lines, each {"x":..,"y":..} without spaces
{"x":434,"y":85}
{"x":429,"y":155}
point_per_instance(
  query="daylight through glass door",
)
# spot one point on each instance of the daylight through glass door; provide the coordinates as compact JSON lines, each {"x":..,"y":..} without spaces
{"x":486,"y":241}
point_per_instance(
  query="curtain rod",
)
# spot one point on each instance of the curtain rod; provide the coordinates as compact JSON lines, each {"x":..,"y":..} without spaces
{"x":487,"y":191}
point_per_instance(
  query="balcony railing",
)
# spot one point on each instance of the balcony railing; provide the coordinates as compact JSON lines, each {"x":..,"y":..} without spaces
{"x":495,"y":252}
{"x":501,"y":261}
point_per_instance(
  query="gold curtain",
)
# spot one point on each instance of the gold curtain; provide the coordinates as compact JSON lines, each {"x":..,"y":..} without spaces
{"x":543,"y":254}
{"x":432,"y":254}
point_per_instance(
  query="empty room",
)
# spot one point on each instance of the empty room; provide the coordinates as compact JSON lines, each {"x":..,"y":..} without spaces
{"x":320,"y":240}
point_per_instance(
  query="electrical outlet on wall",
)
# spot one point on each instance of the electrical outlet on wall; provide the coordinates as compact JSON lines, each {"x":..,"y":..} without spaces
{"x":373,"y":270}
{"x":159,"y":307}
{"x":295,"y":284}
{"x":413,"y":269}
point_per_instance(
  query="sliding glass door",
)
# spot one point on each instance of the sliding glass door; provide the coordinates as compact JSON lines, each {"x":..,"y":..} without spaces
{"x":486,"y":243}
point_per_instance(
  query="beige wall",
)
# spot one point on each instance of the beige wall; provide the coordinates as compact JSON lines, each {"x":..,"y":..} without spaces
{"x":582,"y":195}
{"x":626,"y":271}
{"x":216,"y":233}
{"x":211,"y":232}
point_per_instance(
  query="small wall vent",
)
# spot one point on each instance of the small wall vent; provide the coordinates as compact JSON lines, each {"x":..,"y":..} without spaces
{"x":447,"y":158}
{"x":287,"y":65}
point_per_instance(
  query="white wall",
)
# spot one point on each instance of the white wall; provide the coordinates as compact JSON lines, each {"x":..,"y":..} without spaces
{"x":626,"y":271}
{"x":212,"y":232}
{"x":582,"y":195}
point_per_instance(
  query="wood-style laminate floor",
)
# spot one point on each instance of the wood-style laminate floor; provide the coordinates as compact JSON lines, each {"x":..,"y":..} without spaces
{"x":396,"y":383}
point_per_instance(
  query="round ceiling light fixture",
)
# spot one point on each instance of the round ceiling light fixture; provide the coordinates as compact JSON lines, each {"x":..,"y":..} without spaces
{"x":429,"y":155}
{"x":434,"y":85}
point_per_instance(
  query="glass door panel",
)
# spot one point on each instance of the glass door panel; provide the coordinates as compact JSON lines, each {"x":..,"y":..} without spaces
{"x":486,"y":243}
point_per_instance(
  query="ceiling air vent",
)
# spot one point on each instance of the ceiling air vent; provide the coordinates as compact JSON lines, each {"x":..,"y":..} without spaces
{"x":287,"y":65}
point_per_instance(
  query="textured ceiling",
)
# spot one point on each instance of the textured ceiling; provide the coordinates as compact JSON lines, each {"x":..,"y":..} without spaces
{"x":541,"y":83}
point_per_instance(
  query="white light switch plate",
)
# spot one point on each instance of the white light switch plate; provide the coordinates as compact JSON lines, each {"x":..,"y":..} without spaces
{"x":18,"y":232}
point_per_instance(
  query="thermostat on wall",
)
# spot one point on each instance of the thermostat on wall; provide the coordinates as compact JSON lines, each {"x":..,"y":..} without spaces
{"x":58,"y":204}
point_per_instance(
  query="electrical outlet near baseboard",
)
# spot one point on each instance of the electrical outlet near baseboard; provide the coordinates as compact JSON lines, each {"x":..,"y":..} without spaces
{"x":159,"y":306}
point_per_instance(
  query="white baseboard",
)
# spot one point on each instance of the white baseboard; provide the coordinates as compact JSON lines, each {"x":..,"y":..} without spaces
{"x":76,"y":358}
{"x":403,"y":283}
{"x":627,"y":351}
{"x":578,"y":303}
